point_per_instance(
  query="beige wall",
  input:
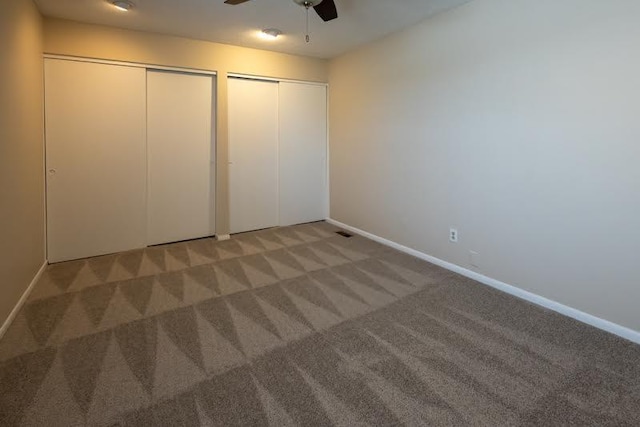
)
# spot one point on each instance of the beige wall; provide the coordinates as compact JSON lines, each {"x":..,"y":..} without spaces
{"x":93,"y":41}
{"x":21,"y":152}
{"x":516,"y":121}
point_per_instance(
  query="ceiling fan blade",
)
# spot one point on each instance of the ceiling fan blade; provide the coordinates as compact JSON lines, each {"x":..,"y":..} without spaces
{"x":326,"y":10}
{"x":234,"y":2}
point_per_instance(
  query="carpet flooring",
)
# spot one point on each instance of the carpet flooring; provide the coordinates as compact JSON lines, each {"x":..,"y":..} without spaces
{"x":300,"y":326}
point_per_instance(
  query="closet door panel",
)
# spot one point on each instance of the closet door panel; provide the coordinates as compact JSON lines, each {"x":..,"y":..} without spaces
{"x":95,"y":158}
{"x":253,"y":154}
{"x":181,"y":176}
{"x":302,"y":153}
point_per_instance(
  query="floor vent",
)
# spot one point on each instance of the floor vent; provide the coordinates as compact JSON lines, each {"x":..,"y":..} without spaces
{"x":344,"y":234}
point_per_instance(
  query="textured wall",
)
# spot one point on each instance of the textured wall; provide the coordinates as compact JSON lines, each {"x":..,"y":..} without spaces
{"x":21,"y":150}
{"x":517,"y":123}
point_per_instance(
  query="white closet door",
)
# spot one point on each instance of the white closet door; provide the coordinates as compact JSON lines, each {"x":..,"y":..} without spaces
{"x":303,"y":150}
{"x":95,"y":145}
{"x":179,"y":141}
{"x":253,"y":154}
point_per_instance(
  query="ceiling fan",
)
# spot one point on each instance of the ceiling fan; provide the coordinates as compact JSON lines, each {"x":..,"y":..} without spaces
{"x":326,"y":9}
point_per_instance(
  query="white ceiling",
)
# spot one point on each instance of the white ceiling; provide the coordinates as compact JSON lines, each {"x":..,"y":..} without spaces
{"x":359,"y":21}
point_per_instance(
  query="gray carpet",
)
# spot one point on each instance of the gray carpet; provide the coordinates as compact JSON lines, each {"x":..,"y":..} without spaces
{"x":300,"y":326}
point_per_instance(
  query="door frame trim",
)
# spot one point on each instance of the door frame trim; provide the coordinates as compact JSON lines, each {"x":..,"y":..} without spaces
{"x":273,"y":79}
{"x":131,"y":64}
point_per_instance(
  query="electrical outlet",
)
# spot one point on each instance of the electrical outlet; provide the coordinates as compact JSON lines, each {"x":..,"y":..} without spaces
{"x":453,"y":235}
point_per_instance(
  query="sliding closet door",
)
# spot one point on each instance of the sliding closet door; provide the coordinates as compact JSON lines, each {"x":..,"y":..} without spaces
{"x":181,"y":173}
{"x":303,"y":150}
{"x":95,"y":150}
{"x":253,"y":154}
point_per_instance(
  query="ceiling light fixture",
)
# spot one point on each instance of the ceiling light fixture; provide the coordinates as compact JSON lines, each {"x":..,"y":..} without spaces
{"x":122,"y":5}
{"x":270,"y":33}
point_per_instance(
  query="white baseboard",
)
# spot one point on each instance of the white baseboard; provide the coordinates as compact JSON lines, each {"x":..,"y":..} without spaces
{"x":22,"y":300}
{"x":581,"y":316}
{"x":222,"y":237}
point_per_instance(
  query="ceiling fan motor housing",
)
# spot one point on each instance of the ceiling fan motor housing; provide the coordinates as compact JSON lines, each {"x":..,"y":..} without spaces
{"x":326,"y":9}
{"x":308,"y":3}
